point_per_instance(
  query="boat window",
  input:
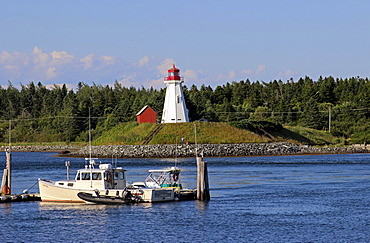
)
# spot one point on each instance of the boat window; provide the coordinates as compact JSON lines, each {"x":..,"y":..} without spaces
{"x":107,"y":176}
{"x":85,"y":176}
{"x":119,"y":175}
{"x":70,"y":184}
{"x":96,"y":176}
{"x":78,"y":176}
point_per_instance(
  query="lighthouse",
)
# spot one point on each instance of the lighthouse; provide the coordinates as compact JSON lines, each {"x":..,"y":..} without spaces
{"x":174,"y":109}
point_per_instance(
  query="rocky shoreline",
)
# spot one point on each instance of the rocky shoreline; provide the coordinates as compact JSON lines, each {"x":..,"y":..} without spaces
{"x":211,"y":150}
{"x":188,"y":150}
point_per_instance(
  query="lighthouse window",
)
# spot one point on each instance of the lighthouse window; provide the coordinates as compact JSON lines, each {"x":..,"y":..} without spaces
{"x":172,"y":74}
{"x":178,"y":99}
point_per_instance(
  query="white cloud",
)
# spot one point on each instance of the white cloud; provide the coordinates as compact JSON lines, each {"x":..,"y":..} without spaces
{"x":165,"y":65}
{"x":287,"y":74}
{"x":260,"y":69}
{"x":143,"y":61}
{"x":39,"y":57}
{"x":231,"y":74}
{"x":87,"y":61}
{"x":5,"y":57}
{"x":236,"y":75}
{"x":59,"y":66}
{"x":190,"y":74}
{"x":108,"y":60}
{"x":61,"y":55}
{"x":247,"y":71}
{"x":50,"y":73}
{"x":128,"y":80}
{"x":157,"y":83}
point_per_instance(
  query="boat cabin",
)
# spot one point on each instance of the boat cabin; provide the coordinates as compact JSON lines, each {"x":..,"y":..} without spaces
{"x":106,"y":178}
{"x":102,"y":178}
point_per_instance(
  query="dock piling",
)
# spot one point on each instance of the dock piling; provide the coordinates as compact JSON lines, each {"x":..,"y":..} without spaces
{"x":202,"y":180}
{"x":6,"y":180}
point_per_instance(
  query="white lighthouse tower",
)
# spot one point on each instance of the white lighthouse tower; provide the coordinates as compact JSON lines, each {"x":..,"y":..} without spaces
{"x":174,"y":109}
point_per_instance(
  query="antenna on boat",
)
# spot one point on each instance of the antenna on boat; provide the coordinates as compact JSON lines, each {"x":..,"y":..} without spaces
{"x":68,"y":163}
{"x":114,"y":160}
{"x":90,"y":136}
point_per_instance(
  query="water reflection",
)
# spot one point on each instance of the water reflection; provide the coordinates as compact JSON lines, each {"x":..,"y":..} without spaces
{"x":201,"y":205}
{"x":6,"y":208}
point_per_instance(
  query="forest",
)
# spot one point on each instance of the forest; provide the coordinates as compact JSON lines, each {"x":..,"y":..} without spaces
{"x":35,"y":113}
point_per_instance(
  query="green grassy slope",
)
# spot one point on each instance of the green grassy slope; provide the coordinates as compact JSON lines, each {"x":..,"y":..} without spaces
{"x":207,"y":132}
{"x":131,"y":133}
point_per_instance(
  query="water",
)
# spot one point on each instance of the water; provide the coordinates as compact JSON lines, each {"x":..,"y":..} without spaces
{"x":322,"y":198}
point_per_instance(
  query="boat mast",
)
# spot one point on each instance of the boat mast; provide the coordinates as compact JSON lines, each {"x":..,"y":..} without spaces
{"x":9,"y":157}
{"x":90,"y":156}
{"x":90,"y":136}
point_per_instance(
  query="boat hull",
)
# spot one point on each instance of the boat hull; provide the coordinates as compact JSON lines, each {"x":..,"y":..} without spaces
{"x":49,"y":192}
{"x":89,"y":198}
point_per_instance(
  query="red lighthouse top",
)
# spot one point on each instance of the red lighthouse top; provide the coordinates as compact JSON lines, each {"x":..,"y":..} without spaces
{"x":173,"y":74}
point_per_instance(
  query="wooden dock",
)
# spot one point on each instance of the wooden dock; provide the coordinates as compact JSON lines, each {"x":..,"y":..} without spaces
{"x":19,"y":198}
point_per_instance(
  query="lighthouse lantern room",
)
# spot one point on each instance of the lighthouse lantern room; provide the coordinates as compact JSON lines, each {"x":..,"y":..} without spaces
{"x":174,"y":109}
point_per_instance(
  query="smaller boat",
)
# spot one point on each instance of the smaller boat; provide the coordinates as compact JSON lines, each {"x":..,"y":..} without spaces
{"x":96,"y":198}
{"x":167,"y":178}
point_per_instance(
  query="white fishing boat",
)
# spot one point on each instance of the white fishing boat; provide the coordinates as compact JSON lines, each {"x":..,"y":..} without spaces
{"x":106,"y":180}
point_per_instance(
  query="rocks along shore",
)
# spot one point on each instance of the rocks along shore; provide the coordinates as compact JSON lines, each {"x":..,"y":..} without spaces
{"x":188,"y":150}
{"x":210,"y":150}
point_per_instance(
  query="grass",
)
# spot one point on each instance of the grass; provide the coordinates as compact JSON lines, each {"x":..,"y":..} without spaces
{"x":128,"y":133}
{"x":207,"y":132}
{"x":44,"y":143}
{"x":312,"y":136}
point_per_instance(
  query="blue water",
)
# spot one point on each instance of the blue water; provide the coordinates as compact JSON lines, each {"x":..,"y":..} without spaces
{"x":324,"y":198}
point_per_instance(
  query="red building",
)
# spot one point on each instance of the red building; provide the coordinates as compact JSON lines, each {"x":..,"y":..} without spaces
{"x":146,"y":115}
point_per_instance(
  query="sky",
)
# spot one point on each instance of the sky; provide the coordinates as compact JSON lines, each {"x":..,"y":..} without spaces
{"x":211,"y":42}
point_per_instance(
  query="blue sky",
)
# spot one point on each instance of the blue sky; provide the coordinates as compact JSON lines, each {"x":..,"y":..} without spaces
{"x":212,"y":42}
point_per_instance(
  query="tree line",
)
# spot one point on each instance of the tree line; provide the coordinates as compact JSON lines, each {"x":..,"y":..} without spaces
{"x":41,"y":114}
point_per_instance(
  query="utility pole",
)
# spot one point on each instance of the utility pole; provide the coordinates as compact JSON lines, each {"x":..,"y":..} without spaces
{"x":329,"y":118}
